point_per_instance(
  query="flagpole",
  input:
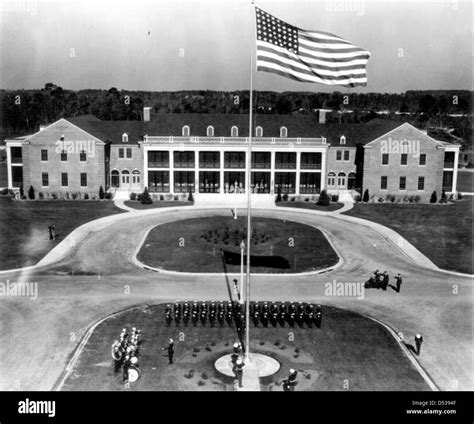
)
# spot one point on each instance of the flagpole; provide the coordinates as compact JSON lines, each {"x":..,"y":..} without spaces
{"x":249,"y":197}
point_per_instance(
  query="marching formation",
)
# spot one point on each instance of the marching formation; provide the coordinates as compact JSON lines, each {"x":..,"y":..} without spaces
{"x":125,"y":352}
{"x":232,"y":313}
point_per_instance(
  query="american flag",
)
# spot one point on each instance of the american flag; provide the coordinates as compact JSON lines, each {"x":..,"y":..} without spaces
{"x":308,"y":56}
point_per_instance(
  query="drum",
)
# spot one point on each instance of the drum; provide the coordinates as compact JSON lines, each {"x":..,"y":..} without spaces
{"x":133,"y":374}
{"x":116,"y":353}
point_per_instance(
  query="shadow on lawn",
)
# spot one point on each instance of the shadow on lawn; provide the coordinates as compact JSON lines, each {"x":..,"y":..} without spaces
{"x":277,"y":262}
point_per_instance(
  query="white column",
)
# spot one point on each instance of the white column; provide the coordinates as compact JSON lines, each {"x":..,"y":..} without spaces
{"x":455,"y":170}
{"x":323,"y":168}
{"x":171,"y":179}
{"x":298,"y":171}
{"x":272,"y":171}
{"x":221,"y":172}
{"x":9,"y":166}
{"x":145,"y":167}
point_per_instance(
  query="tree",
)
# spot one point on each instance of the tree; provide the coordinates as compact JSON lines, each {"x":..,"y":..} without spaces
{"x":31,"y":193}
{"x":146,"y":198}
{"x":444,"y":198}
{"x":434,"y":197}
{"x":366,"y":196}
{"x":101,"y":192}
{"x":190,"y":197}
{"x":278,"y":198}
{"x":324,"y":199}
{"x":22,"y":192}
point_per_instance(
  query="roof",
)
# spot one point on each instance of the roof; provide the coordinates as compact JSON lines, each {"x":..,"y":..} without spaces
{"x":304,"y":126}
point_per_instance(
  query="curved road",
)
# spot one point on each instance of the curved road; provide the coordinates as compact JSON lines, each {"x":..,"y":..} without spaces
{"x":99,"y":277}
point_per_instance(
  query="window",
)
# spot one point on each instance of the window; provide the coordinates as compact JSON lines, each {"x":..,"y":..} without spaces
{"x":283,"y":132}
{"x":44,"y":155}
{"x":83,"y":179}
{"x":259,"y":132}
{"x":209,"y":159}
{"x":404,"y":159}
{"x":403,"y":183}
{"x":383,"y":183}
{"x":346,"y":154}
{"x":423,"y":159}
{"x":285,"y":160}
{"x":158,"y":159}
{"x":121,"y":153}
{"x":183,"y":181}
{"x":115,"y":176}
{"x":129,"y":153}
{"x":183,"y":159}
{"x":341,"y":179}
{"x":234,"y":131}
{"x":234,"y":159}
{"x":339,"y":155}
{"x":261,"y":160}
{"x":159,"y":181}
{"x":63,"y":156}
{"x":331,"y":179}
{"x":342,"y":140}
{"x":64,"y":179}
{"x":421,"y":183}
{"x":82,"y":156}
{"x":185,"y":131}
{"x":210,"y":131}
{"x":45,"y":179}
{"x":384,"y":158}
{"x":125,"y":177}
{"x":124,"y":138}
{"x":310,"y":160}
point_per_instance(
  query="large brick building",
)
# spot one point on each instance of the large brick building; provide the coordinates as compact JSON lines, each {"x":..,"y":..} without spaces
{"x":206,"y":153}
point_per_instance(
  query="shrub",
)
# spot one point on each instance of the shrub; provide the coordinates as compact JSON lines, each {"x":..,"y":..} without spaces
{"x":31,"y":193}
{"x":54,"y":196}
{"x":358,"y":198}
{"x":460,"y":195}
{"x":176,"y":198}
{"x":366,"y":196}
{"x":74,"y":196}
{"x":86,"y":196}
{"x":40,"y":195}
{"x":306,"y":199}
{"x":101,"y":193}
{"x":145,"y":198}
{"x":108,"y":196}
{"x":278,"y":198}
{"x":444,"y":198}
{"x":293,"y":199}
{"x":335,"y":197}
{"x":390,"y":198}
{"x":190,"y":197}
{"x":324,"y":199}
{"x":162,"y":197}
{"x":133,"y":196}
{"x":5,"y":191}
{"x":285,"y":197}
{"x":434,"y":197}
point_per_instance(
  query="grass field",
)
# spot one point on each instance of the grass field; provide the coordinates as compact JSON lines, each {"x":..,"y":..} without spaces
{"x":157,"y":204}
{"x":195,"y":245}
{"x":24,"y":235}
{"x":333,"y":206}
{"x":442,"y":232}
{"x":349,"y":352}
{"x":465,"y":182}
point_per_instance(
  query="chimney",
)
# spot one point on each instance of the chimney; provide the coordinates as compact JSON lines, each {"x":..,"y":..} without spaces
{"x":146,"y":114}
{"x":322,"y":116}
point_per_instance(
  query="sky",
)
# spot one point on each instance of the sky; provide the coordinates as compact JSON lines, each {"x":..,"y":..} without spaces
{"x":207,"y":44}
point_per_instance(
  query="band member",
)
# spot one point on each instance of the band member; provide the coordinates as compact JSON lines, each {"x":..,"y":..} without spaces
{"x":238,"y":370}
{"x":170,"y":350}
{"x":418,"y":342}
{"x":399,"y":281}
{"x":290,"y":383}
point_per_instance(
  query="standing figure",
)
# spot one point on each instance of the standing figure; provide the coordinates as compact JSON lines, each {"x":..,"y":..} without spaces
{"x":290,"y":383}
{"x":239,"y":371}
{"x":399,"y":280}
{"x":418,"y":342}
{"x":170,"y":350}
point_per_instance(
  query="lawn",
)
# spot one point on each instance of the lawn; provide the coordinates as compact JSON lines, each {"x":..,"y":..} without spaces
{"x":333,"y":206}
{"x":195,"y":245}
{"x":157,"y":204}
{"x":24,"y":235}
{"x":349,"y":352}
{"x":465,"y":182}
{"x":442,"y":232}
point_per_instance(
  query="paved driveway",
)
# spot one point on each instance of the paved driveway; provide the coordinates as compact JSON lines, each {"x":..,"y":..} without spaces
{"x":98,"y":277}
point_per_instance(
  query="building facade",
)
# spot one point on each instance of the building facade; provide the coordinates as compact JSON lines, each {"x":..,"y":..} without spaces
{"x":208,"y":155}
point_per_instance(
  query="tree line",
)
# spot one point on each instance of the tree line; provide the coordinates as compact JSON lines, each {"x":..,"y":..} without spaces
{"x":24,"y":110}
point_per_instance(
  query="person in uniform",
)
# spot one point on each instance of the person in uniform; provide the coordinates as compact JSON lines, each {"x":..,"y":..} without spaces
{"x":399,"y":281}
{"x":239,"y":371}
{"x":418,"y":342}
{"x":170,"y":350}
{"x":290,"y":383}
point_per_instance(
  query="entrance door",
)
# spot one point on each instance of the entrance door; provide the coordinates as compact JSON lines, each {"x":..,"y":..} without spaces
{"x":341,"y":180}
{"x":125,"y":179}
{"x":136,"y":180}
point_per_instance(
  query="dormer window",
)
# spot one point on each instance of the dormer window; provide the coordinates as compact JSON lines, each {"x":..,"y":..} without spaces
{"x":259,"y":132}
{"x":234,"y":131}
{"x":185,"y":131}
{"x":210,"y":131}
{"x":124,"y":138}
{"x":283,"y":132}
{"x":342,"y":140}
